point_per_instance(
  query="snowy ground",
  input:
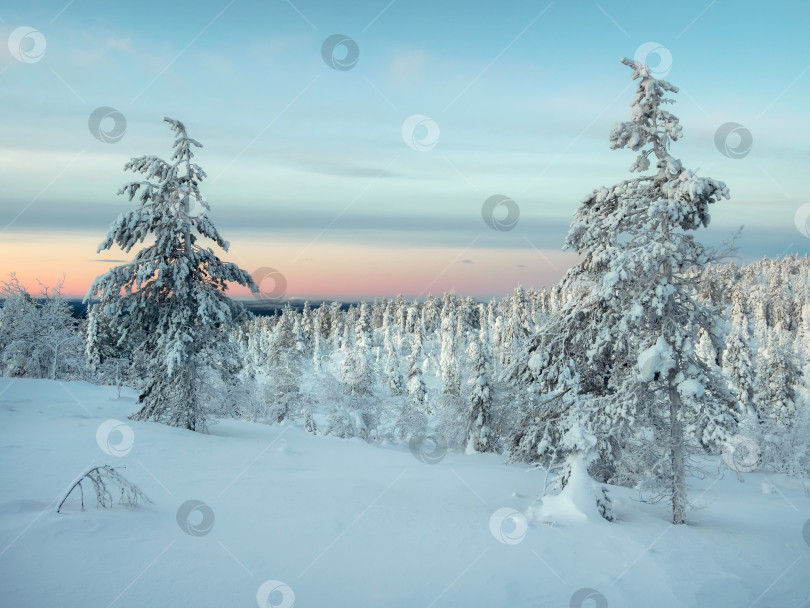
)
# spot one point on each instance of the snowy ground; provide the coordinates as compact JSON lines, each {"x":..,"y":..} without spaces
{"x":342,"y":523}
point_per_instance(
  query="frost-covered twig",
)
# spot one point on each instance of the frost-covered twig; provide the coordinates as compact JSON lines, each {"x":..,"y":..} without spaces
{"x":104,"y":479}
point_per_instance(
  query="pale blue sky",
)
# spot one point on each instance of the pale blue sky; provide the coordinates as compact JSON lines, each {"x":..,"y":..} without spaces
{"x":523,"y":95}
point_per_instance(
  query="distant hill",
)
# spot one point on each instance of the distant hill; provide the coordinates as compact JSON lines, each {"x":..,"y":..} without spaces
{"x":257,"y":307}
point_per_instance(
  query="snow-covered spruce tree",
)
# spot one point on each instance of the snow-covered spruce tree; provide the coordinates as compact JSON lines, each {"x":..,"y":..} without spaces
{"x":737,"y":364}
{"x":430,"y":316}
{"x":377,"y":309}
{"x":451,"y":377}
{"x":393,"y":376}
{"x":171,"y":296}
{"x":417,"y":392}
{"x":625,"y":343}
{"x":282,"y":365}
{"x":517,"y":327}
{"x":777,"y":378}
{"x":412,"y":417}
{"x":316,"y":342}
{"x":362,"y":328}
{"x":803,"y":346}
{"x":480,"y":437}
{"x":358,"y":371}
{"x":335,"y":325}
{"x":782,"y":426}
{"x":299,"y":335}
{"x":307,"y":324}
{"x":412,"y":319}
{"x":761,"y":325}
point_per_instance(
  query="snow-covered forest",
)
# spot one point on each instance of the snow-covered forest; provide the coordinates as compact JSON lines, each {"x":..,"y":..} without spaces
{"x":389,"y":369}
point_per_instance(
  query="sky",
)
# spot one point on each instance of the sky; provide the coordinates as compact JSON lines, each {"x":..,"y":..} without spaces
{"x":351,"y":147}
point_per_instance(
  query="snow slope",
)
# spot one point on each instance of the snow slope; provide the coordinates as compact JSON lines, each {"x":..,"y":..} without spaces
{"x":342,"y":523}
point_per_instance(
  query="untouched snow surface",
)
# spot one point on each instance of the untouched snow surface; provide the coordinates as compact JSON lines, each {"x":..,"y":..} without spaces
{"x":314,"y":521}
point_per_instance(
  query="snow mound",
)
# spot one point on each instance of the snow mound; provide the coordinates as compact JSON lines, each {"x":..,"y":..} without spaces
{"x":691,"y":388}
{"x":576,"y":504}
{"x":655,"y":361}
{"x":535,"y":361}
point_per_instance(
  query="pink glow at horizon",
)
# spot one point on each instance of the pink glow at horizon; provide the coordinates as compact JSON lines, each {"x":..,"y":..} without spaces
{"x":329,"y":271}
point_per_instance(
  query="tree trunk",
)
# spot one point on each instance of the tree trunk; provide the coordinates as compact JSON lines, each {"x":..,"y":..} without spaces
{"x":676,"y":448}
{"x":118,"y":376}
{"x":53,"y":363}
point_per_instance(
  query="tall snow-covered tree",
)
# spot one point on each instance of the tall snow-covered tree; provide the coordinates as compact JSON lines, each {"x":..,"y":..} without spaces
{"x":737,"y":364}
{"x":317,"y":328}
{"x":283,"y":362}
{"x":392,"y":374}
{"x":761,"y":325}
{"x":335,"y":325}
{"x":430,"y":316}
{"x":803,"y":344}
{"x":171,"y":296}
{"x":625,"y":344}
{"x":451,"y":377}
{"x":306,"y":323}
{"x":480,"y":436}
{"x":776,"y":381}
{"x":417,"y":392}
{"x":363,"y":329}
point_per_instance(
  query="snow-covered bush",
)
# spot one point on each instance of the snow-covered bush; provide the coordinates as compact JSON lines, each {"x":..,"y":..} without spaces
{"x":39,"y":337}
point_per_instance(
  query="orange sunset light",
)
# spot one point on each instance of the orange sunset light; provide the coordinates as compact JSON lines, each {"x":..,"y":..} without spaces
{"x":313,"y":271}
